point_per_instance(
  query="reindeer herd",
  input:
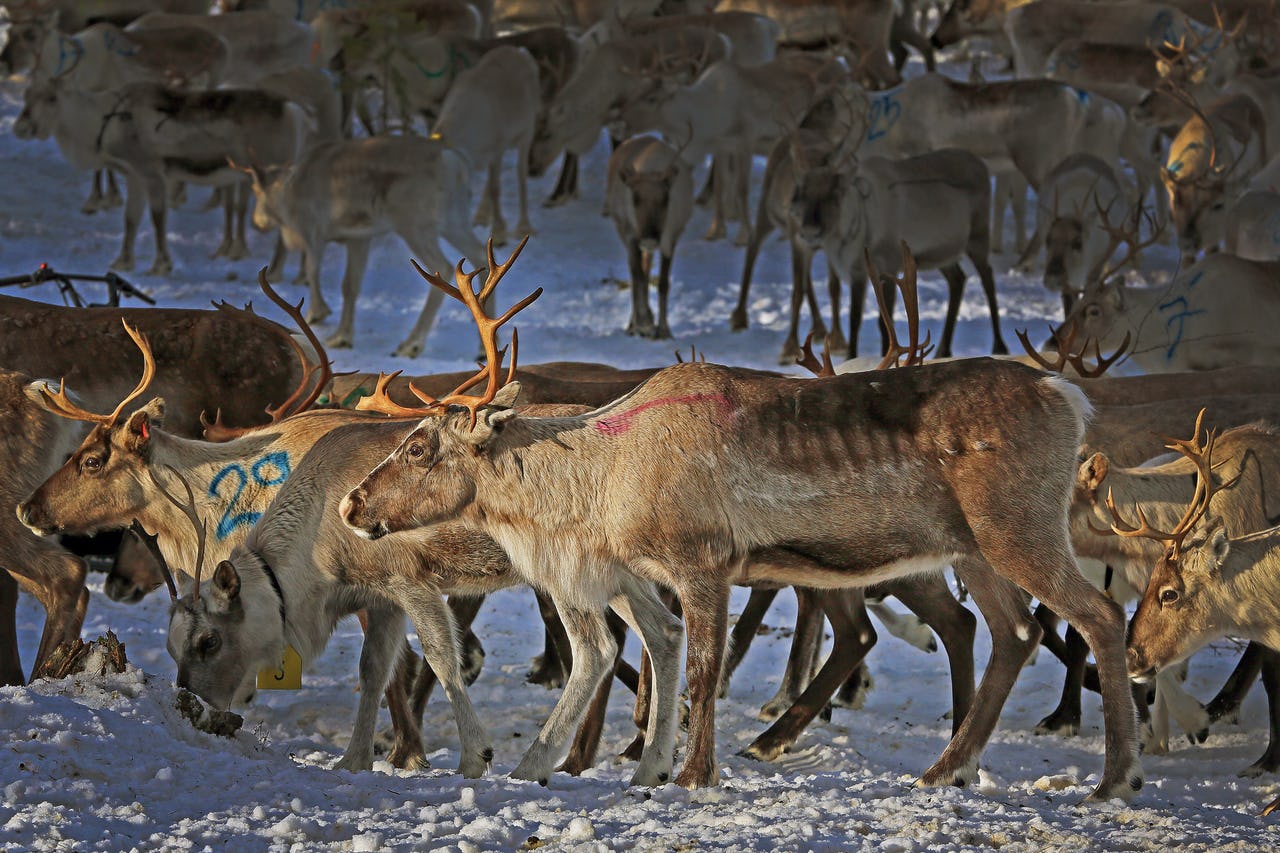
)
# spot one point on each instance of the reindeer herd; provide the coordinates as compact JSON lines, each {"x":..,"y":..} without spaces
{"x":381,"y":495}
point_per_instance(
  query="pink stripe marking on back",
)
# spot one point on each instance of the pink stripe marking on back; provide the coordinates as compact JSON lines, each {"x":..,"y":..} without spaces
{"x":623,"y":421}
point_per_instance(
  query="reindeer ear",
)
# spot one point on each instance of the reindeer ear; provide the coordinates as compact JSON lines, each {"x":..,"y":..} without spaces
{"x":506,"y":396}
{"x":226,"y":581}
{"x":137,"y":430}
{"x":1092,"y":472}
{"x":1219,"y":546}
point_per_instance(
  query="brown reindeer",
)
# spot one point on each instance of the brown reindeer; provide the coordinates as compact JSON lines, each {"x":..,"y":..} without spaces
{"x":836,"y":482}
{"x":230,"y":358}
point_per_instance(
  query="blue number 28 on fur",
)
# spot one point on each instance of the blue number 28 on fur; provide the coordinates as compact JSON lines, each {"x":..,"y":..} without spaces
{"x":270,"y":470}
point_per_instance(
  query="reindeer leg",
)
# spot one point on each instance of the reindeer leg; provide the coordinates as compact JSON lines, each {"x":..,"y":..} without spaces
{"x":228,"y":221}
{"x":94,"y":202}
{"x":742,"y":187}
{"x":317,"y":309}
{"x":1270,"y":760}
{"x":352,"y":278}
{"x":1226,"y":705}
{"x":805,"y":640}
{"x":556,"y":659}
{"x":1065,"y":719}
{"x":239,"y":241}
{"x":279,"y":254}
{"x":10,"y":660}
{"x":641,"y":314}
{"x":744,"y":631}
{"x":135,"y":201}
{"x":1014,"y":635}
{"x":661,"y":633}
{"x":739,"y":320}
{"x":857,"y":299}
{"x":854,"y":637}
{"x":383,"y":642}
{"x":800,"y":290}
{"x":464,"y":609}
{"x":929,"y":597}
{"x":586,"y":743}
{"x":717,"y":229}
{"x":162,"y":265}
{"x":406,"y":752}
{"x":998,"y":346}
{"x":567,"y":184}
{"x":593,"y":651}
{"x":706,"y":609}
{"x":955,"y":295}
{"x":835,"y":341}
{"x":113,"y":190}
{"x":664,"y":289}
{"x":493,"y":189}
{"x":524,"y":227}
{"x":438,"y":635}
{"x":429,"y":250}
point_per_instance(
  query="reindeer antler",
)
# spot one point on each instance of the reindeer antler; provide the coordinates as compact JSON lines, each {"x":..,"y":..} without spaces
{"x":1128,"y":232}
{"x":189,"y":510}
{"x":1200,"y":452}
{"x":1065,"y":337}
{"x":151,"y":542}
{"x":62,"y":405}
{"x":810,"y":362}
{"x":915,"y":351}
{"x":218,"y":431}
{"x":490,"y":372}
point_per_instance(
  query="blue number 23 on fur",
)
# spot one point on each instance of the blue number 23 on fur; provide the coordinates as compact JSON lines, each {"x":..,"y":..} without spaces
{"x":270,"y":470}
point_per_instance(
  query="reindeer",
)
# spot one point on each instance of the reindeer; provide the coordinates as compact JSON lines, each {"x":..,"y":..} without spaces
{"x":867,"y":210}
{"x":941,"y":505}
{"x":351,"y":191}
{"x":1252,"y":230}
{"x":733,"y":112}
{"x":155,"y":135}
{"x":1074,"y":242}
{"x":491,"y":108}
{"x":1216,"y":313}
{"x":1209,"y":162}
{"x":1035,"y":32}
{"x":1206,"y":584}
{"x":606,"y":81}
{"x":258,"y":43}
{"x":649,"y":193}
{"x":300,"y":533}
{"x":1163,"y":490}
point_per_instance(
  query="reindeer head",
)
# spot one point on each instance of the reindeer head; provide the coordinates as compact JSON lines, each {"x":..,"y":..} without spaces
{"x":1171,"y":621}
{"x":220,"y":639}
{"x":108,"y":463}
{"x":455,"y":430}
{"x":39,"y":114}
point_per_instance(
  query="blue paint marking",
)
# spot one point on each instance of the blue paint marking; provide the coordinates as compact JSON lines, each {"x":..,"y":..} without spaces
{"x":886,"y":109}
{"x":1082,"y":95}
{"x":69,"y":52}
{"x":119,"y":46}
{"x":270,"y":470}
{"x":1180,"y":318}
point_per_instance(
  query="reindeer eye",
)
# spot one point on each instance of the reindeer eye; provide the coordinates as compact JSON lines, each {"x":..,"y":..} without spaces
{"x":209,"y":644}
{"x":1168,"y":595}
{"x":415,"y":451}
{"x":91,"y":464}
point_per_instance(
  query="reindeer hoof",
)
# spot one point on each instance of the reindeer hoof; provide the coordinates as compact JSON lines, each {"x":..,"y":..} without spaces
{"x":408,"y":349}
{"x":634,"y":750}
{"x":763,"y":750}
{"x":1125,"y":788}
{"x":354,"y":762}
{"x":715,"y":232}
{"x":691,"y":777}
{"x":790,"y":352}
{"x":960,"y":777}
{"x":773,"y":709}
{"x":738,"y":321}
{"x":338,"y":340}
{"x":123,"y":263}
{"x":651,"y":777}
{"x":318,"y":313}
{"x":474,"y":766}
{"x":89,"y":208}
{"x":161,"y":266}
{"x":1058,"y":723}
{"x":238,"y":252}
{"x":408,"y":757}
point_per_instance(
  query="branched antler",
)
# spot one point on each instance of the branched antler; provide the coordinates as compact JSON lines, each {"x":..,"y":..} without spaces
{"x":1065,"y":337}
{"x":916,"y":350}
{"x":491,"y":371}
{"x":61,"y":404}
{"x":188,"y":508}
{"x":810,"y":362}
{"x":151,"y":542}
{"x":1200,"y":452}
{"x":296,"y":402}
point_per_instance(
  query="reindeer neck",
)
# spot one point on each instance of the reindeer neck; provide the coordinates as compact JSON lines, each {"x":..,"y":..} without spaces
{"x":1251,"y":589}
{"x":232,"y":484}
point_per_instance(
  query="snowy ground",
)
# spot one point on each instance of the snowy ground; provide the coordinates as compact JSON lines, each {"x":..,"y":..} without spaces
{"x":106,"y":764}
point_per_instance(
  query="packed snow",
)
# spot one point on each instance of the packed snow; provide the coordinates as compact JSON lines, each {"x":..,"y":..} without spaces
{"x":107,"y":763}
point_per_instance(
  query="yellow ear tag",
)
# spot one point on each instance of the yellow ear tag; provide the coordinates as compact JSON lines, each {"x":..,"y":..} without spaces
{"x":288,"y":676}
{"x":435,"y":136}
